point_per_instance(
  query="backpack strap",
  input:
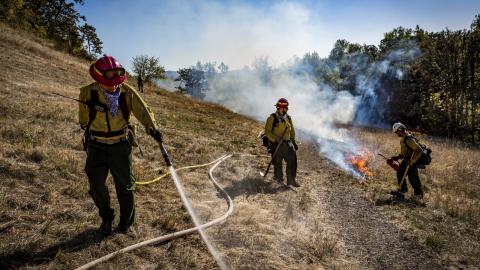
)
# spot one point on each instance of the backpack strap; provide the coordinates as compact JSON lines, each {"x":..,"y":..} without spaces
{"x":122,"y":103}
{"x":410,"y":136}
{"x":92,"y":113}
{"x":95,"y":99}
{"x":275,"y":120}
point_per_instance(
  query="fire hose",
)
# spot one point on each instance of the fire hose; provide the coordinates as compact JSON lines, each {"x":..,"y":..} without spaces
{"x":177,"y":170}
{"x":178,"y":234}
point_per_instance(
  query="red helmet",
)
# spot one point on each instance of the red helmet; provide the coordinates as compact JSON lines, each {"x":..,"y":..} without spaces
{"x":282,"y":103}
{"x":99,"y":69}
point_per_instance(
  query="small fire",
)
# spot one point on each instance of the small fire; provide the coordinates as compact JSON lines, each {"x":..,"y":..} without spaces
{"x":360,"y":161}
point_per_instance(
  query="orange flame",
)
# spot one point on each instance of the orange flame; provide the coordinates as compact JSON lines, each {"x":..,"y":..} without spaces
{"x":360,"y":162}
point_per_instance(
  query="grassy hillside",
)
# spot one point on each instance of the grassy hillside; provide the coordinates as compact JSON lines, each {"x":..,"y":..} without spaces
{"x":44,"y":189}
{"x":48,"y":220}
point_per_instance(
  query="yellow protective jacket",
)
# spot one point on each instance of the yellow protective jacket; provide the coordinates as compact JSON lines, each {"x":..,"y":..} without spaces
{"x":274,"y":133}
{"x":105,"y":122}
{"x":410,"y":149}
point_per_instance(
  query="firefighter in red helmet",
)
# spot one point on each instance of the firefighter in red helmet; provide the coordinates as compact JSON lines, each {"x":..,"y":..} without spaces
{"x":281,"y":133}
{"x":108,"y":139}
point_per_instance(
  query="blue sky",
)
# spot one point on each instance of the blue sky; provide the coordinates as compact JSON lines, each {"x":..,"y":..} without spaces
{"x":236,"y":32}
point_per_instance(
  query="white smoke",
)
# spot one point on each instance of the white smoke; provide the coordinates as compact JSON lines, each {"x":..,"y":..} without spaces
{"x":316,"y":108}
{"x":168,"y":84}
{"x":369,"y":82}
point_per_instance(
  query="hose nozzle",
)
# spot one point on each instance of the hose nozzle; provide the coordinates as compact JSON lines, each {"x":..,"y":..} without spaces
{"x":165,"y":154}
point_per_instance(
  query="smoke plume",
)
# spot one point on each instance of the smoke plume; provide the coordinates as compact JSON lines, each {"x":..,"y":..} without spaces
{"x":318,"y":108}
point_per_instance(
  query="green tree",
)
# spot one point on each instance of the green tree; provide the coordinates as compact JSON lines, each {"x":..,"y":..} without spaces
{"x":92,"y":42}
{"x":57,"y":20}
{"x":148,"y":67}
{"x":192,"y":81}
{"x":60,"y":19}
{"x":395,"y":39}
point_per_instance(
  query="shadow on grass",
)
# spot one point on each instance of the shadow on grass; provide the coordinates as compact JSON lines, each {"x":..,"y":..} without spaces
{"x":249,"y":186}
{"x":19,"y":258}
{"x":396,"y":201}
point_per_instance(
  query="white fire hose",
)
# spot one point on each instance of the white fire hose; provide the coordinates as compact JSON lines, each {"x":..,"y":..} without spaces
{"x":178,"y":234}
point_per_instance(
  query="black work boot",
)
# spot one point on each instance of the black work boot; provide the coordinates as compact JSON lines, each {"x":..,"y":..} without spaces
{"x":418,"y":198}
{"x":398,"y":193}
{"x":122,"y":228}
{"x":106,"y":228}
{"x":127,"y":230}
{"x":295,"y":184}
{"x":278,"y":179}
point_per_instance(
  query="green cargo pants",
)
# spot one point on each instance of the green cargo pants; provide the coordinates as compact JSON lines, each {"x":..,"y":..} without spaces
{"x":118,"y":159}
{"x":287,"y":153}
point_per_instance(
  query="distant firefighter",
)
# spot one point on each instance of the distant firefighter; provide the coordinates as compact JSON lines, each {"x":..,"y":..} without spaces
{"x":140,"y":83}
{"x":414,"y":155}
{"x":280,"y":133}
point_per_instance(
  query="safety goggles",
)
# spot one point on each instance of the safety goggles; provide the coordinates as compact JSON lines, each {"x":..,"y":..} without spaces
{"x":111,"y":73}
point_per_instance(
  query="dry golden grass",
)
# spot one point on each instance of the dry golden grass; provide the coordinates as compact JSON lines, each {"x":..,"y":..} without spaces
{"x":271,"y":227}
{"x":450,"y":222}
{"x":48,"y":220}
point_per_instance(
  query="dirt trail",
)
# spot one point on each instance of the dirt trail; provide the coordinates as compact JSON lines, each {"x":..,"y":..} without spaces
{"x":367,"y":235}
{"x":368,"y":238}
{"x":325,"y":225}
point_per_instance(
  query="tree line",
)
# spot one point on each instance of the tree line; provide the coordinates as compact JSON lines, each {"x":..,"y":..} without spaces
{"x":439,"y":91}
{"x":57,"y":20}
{"x":428,"y":80}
